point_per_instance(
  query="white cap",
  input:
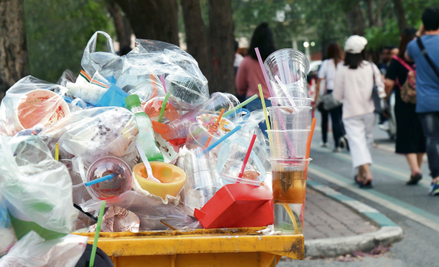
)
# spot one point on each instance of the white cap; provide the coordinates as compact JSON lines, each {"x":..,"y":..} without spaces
{"x":355,"y":44}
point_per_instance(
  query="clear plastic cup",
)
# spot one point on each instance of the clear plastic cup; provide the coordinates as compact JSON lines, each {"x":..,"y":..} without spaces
{"x":111,"y":189}
{"x":279,"y":148}
{"x":298,"y":101}
{"x":288,"y":64}
{"x":202,"y":179}
{"x":291,"y":119}
{"x":230,"y":173}
{"x":289,"y":192}
{"x":297,"y":89}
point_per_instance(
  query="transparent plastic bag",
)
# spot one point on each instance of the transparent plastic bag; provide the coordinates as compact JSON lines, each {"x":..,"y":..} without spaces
{"x":36,"y":187}
{"x":29,"y":102}
{"x":34,"y":251}
{"x":7,"y":234}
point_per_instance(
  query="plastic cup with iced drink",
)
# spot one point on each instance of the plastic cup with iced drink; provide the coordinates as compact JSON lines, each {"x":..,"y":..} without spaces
{"x":153,"y":106}
{"x":289,"y":191}
{"x":109,"y":190}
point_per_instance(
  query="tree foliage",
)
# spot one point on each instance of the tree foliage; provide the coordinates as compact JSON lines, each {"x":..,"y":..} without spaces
{"x":57,"y":32}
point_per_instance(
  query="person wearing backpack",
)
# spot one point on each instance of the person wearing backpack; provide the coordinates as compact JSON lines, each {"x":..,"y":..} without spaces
{"x":410,"y":139}
{"x":424,"y":51}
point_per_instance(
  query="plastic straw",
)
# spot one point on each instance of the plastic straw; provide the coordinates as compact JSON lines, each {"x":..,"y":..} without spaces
{"x":290,"y":98}
{"x":240,"y":105}
{"x":105,"y":178}
{"x":222,"y":139}
{"x":98,"y":229}
{"x":86,"y":213}
{"x":247,"y":156}
{"x":162,"y":78}
{"x":267,"y":122}
{"x":57,"y":151}
{"x":162,"y":110}
{"x":282,"y":123}
{"x":216,"y":125}
{"x":293,"y":219}
{"x":308,"y":143}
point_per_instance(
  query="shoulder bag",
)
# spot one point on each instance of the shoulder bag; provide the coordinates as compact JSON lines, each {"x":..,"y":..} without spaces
{"x":408,"y":89}
{"x":378,"y":101}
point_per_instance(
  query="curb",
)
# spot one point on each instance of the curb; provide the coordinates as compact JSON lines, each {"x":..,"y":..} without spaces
{"x":388,"y":233}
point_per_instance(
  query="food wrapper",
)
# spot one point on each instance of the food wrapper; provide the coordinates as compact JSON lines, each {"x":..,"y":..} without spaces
{"x":118,"y":219}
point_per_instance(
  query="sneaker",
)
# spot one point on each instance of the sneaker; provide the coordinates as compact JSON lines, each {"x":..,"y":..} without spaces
{"x":336,"y":150}
{"x":434,"y":190}
{"x":324,"y":145}
{"x":384,"y":126}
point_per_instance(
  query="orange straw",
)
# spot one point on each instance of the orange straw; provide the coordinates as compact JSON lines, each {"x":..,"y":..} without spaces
{"x":247,"y":156}
{"x":308,"y":143}
{"x":216,"y":125}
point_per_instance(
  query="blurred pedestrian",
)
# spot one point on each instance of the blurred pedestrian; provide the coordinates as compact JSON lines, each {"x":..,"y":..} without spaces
{"x":327,"y":73}
{"x":353,"y":84}
{"x":425,"y":52}
{"x":249,"y":72}
{"x":236,"y":63}
{"x":410,"y":139}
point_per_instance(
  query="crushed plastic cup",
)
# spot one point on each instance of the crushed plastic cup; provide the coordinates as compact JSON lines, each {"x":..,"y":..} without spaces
{"x":289,"y":192}
{"x":291,"y":119}
{"x":41,"y":107}
{"x":172,"y":179}
{"x":111,"y":189}
{"x":279,"y":149}
{"x":298,"y":101}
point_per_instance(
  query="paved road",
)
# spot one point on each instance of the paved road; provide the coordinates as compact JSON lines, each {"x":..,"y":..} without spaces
{"x":410,"y":207}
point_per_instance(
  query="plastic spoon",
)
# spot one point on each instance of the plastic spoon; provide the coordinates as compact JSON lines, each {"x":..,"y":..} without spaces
{"x":147,"y":165}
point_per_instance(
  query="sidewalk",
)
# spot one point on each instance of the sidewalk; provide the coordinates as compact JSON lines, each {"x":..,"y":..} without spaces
{"x":336,"y":224}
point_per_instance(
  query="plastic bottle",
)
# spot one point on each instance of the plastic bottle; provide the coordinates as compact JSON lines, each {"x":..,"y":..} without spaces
{"x":146,"y":138}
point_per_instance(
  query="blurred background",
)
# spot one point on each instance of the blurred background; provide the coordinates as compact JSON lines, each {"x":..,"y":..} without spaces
{"x":44,"y":38}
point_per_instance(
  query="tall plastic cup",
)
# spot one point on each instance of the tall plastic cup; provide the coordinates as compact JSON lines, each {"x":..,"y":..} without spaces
{"x":298,"y":101}
{"x":291,"y":119}
{"x":280,"y":150}
{"x":289,"y":192}
{"x":291,"y":67}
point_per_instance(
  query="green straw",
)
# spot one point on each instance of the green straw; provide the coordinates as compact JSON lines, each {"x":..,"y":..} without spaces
{"x":162,"y":111}
{"x":240,"y":105}
{"x":98,"y":229}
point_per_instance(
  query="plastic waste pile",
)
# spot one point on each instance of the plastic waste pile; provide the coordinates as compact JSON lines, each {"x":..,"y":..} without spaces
{"x":141,"y":133}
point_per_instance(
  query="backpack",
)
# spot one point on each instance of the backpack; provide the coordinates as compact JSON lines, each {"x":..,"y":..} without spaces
{"x":408,"y":89}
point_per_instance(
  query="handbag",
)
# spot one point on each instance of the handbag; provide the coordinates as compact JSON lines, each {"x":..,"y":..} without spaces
{"x":378,"y":99}
{"x":408,"y":89}
{"x":329,"y":103}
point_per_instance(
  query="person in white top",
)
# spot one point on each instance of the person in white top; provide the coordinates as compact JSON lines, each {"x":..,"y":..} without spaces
{"x":353,"y":85}
{"x":327,"y":73}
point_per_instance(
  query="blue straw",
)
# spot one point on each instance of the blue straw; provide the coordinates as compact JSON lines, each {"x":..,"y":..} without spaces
{"x":212,"y":146}
{"x":105,"y":178}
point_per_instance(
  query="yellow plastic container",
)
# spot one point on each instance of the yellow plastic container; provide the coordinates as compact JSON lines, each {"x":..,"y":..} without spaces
{"x":213,"y":247}
{"x":172,"y":178}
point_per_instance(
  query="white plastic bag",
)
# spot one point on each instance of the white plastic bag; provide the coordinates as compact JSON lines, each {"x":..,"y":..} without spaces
{"x":34,"y":251}
{"x":37,"y":188}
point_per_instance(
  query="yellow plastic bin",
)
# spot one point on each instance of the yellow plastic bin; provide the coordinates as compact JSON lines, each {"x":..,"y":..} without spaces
{"x":214,"y":247}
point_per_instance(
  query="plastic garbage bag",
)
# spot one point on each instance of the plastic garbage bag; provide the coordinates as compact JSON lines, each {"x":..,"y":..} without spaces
{"x":67,"y":76}
{"x":34,"y":251}
{"x":31,"y":101}
{"x":37,"y":188}
{"x":151,"y":211}
{"x":7,"y":234}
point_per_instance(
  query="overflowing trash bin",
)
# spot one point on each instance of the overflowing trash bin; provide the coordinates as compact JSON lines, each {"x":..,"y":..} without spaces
{"x":135,"y":157}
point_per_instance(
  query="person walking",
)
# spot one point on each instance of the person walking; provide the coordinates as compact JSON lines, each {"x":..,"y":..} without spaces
{"x":425,"y":52}
{"x":410,"y":139}
{"x":249,"y":73}
{"x":353,"y":84}
{"x":327,"y":73}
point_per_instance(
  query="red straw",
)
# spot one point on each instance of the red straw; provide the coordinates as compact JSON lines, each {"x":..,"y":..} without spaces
{"x":247,"y":156}
{"x":162,"y":78}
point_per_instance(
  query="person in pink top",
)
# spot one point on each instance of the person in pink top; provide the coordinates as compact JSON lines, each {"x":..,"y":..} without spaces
{"x":249,"y":72}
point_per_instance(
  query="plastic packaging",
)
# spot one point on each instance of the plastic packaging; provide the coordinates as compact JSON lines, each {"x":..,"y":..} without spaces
{"x":145,"y":138}
{"x":7,"y":234}
{"x":37,"y":188}
{"x":34,"y":251}
{"x":31,"y":101}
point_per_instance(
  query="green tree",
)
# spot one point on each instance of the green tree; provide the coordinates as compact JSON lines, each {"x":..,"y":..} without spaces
{"x":57,"y":32}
